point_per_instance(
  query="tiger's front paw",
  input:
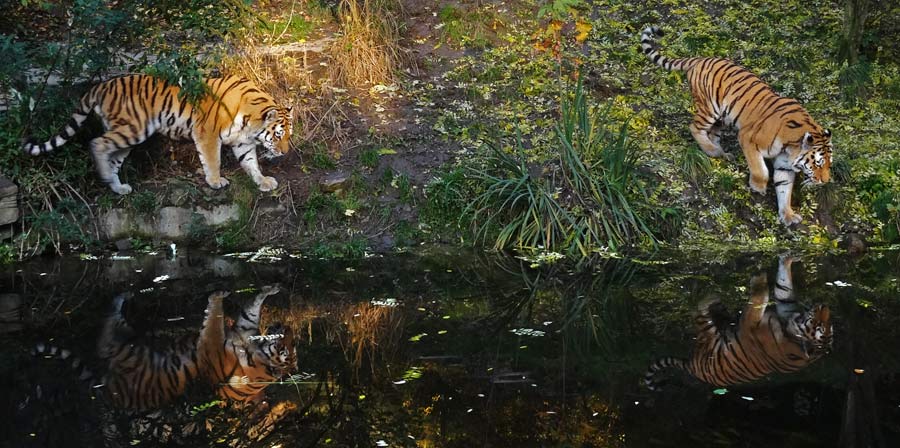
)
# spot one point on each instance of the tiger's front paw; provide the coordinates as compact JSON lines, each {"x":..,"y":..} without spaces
{"x":217,"y":183}
{"x":219,"y":295}
{"x":790,"y":218}
{"x":268,"y":184}
{"x":122,"y":189}
{"x":728,"y":156}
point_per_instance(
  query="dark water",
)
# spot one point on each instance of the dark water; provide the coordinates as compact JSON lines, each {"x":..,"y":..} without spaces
{"x":463,"y":349}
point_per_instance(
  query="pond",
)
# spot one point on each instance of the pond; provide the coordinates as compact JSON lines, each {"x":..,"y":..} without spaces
{"x":452,"y":348}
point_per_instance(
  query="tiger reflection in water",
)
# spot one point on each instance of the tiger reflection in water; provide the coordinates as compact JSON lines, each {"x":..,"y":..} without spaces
{"x":143,"y":375}
{"x":767,"y":339}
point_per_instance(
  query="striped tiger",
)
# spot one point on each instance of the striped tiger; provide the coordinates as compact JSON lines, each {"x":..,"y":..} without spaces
{"x":148,"y":376}
{"x":783,"y":338}
{"x":769,"y":126}
{"x":250,"y":362}
{"x":235,"y":113}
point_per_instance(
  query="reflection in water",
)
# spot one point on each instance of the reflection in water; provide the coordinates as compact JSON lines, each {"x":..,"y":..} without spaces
{"x":451,"y":351}
{"x":781,"y":338}
{"x":143,"y":374}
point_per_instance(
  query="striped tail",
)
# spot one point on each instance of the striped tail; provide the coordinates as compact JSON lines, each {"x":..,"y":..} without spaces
{"x":37,"y":148}
{"x":48,"y":351}
{"x":651,"y":380}
{"x":649,"y":47}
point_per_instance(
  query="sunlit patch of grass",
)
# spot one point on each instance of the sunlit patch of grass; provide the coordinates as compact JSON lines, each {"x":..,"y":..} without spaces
{"x":469,"y":28}
{"x":367,"y":51}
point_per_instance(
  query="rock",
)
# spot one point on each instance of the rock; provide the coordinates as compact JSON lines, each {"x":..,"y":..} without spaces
{"x":9,"y":204}
{"x":169,"y":223}
{"x":123,"y":245}
{"x":334,"y":182}
{"x":10,"y":313}
{"x":855,"y":244}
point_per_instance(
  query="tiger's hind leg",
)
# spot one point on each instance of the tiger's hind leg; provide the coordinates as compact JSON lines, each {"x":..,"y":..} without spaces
{"x":109,"y":151}
{"x":707,"y":136}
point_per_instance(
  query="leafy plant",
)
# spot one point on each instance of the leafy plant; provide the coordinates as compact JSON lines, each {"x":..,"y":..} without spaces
{"x":585,"y":204}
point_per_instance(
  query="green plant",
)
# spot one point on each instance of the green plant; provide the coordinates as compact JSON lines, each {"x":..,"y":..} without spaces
{"x":587,"y":202}
{"x":466,"y":27}
{"x":445,"y":198}
{"x":322,"y":160}
{"x":695,"y":164}
{"x":143,"y":202}
{"x":369,"y":158}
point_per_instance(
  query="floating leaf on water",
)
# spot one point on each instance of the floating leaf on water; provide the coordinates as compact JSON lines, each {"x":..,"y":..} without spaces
{"x":859,"y":371}
{"x":445,"y":317}
{"x":722,"y":391}
{"x":421,"y":309}
{"x":399,"y":382}
{"x":87,"y":257}
{"x":381,"y":443}
{"x":470,"y":410}
{"x":747,"y":398}
{"x":442,"y":332}
{"x":527,"y":332}
{"x":389,"y":302}
{"x":523,"y":347}
{"x":160,"y":279}
{"x":864,"y":303}
{"x":362,"y":397}
{"x":417,"y":337}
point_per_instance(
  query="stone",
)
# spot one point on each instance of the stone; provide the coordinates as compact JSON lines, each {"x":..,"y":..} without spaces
{"x":169,"y":223}
{"x":855,"y":244}
{"x":9,"y":203}
{"x":123,"y":245}
{"x":334,"y":182}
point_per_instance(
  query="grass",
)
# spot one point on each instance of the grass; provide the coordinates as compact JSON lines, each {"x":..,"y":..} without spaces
{"x":469,"y":27}
{"x":585,"y":202}
{"x":367,"y":51}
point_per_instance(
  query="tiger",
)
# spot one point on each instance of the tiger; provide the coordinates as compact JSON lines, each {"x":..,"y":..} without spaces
{"x":767,"y":339}
{"x":235,"y":113}
{"x":141,"y":377}
{"x":769,"y":126}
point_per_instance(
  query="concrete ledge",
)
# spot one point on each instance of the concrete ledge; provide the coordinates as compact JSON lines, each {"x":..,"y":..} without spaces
{"x":167,"y":223}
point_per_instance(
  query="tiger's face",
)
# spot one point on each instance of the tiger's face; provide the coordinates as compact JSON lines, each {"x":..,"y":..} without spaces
{"x":276,"y":134}
{"x":815,"y":157}
{"x":282,"y":356}
{"x":816,"y":330}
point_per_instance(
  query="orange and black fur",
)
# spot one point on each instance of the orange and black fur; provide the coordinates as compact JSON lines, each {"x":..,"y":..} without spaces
{"x":237,"y":362}
{"x":234,"y":113}
{"x":769,"y":126}
{"x":767,"y":339}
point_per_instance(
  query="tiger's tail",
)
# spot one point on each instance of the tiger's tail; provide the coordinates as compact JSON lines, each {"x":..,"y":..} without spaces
{"x":36,"y":148}
{"x":651,"y":378}
{"x":651,"y":49}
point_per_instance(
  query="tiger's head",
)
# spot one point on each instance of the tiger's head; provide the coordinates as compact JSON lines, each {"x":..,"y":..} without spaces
{"x":815,"y":157}
{"x":280,"y":355}
{"x":276,"y":133}
{"x":815,"y":330}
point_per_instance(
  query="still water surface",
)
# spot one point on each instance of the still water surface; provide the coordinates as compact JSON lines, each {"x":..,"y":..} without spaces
{"x":458,"y":349}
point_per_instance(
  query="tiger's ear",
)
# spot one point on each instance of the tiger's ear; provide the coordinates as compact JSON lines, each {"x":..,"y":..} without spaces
{"x":807,"y":141}
{"x":826,"y":133}
{"x":270,"y":116}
